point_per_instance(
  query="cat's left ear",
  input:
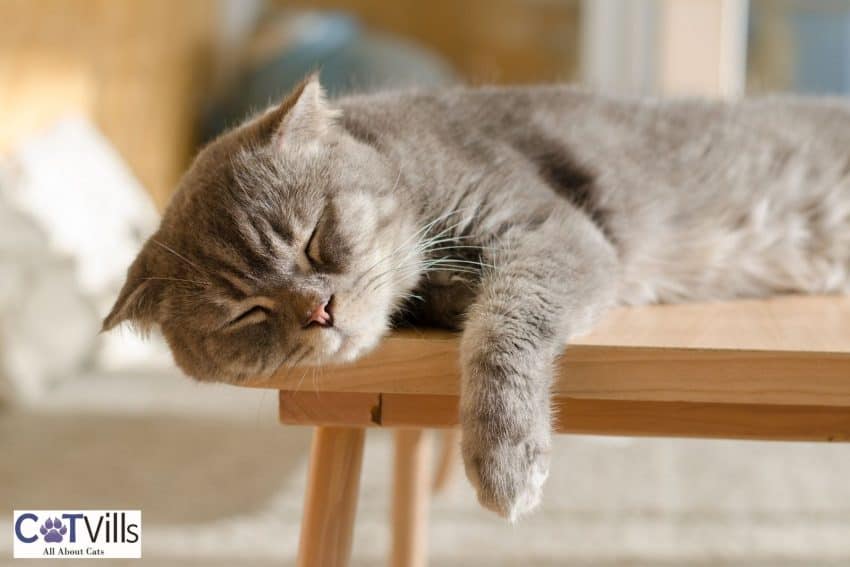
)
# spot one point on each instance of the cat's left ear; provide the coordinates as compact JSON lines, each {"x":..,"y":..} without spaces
{"x":304,"y":117}
{"x":139,"y":299}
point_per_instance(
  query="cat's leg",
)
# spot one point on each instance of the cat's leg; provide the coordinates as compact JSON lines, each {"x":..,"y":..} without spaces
{"x":547,"y":284}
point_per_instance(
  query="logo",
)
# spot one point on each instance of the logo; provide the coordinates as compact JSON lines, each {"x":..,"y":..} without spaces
{"x":77,"y":534}
{"x":53,"y":530}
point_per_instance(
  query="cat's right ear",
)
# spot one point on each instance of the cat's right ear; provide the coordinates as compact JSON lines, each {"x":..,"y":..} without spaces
{"x":304,"y":117}
{"x":138,"y":302}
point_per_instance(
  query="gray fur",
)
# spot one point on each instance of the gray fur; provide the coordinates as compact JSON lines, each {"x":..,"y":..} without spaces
{"x":517,"y":214}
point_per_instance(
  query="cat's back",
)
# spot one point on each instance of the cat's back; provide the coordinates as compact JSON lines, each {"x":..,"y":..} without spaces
{"x":566,"y":108}
{"x":704,"y":198}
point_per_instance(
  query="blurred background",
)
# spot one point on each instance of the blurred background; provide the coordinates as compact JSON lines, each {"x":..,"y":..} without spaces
{"x":102,"y":105}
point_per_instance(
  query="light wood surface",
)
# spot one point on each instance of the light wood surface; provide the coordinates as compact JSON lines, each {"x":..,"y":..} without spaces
{"x":788,"y":422}
{"x":640,"y":418}
{"x":778,"y":368}
{"x":789,"y":323}
{"x":331,"y":500}
{"x":447,"y":463}
{"x":329,"y":408}
{"x":782,"y":350}
{"x":411,"y":498}
{"x":427,"y":364}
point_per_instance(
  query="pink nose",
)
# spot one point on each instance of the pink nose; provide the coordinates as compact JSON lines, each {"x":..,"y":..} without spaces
{"x":321,"y":315}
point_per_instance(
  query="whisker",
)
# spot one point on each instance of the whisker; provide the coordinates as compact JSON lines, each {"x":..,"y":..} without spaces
{"x":435,"y":265}
{"x":460,"y":261}
{"x":462,"y":247}
{"x":295,"y":364}
{"x":163,"y":278}
{"x":421,"y":231}
{"x":171,"y":250}
{"x":283,"y":362}
{"x":300,"y":380}
{"x":306,"y":353}
{"x":315,"y":384}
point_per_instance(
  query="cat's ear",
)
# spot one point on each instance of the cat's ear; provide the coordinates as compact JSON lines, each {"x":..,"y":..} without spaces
{"x":138,"y":301}
{"x":304,"y":117}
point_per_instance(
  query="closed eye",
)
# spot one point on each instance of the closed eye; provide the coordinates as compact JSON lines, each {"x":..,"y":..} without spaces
{"x":254,"y":314}
{"x":312,"y":248}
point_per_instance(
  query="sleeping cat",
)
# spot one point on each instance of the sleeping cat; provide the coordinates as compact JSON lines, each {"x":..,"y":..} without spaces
{"x":516,"y":214}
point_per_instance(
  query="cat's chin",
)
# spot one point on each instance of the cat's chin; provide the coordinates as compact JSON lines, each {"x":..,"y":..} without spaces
{"x":332,"y":346}
{"x":352,"y":349}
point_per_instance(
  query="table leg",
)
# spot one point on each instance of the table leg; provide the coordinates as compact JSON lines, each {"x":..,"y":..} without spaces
{"x":331,"y":500}
{"x":447,"y":462}
{"x":411,"y":498}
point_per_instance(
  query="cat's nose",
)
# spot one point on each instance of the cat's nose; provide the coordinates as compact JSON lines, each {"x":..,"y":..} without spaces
{"x":322,"y":314}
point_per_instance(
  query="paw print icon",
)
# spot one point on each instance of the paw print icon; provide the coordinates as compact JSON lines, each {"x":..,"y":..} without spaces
{"x":53,"y":530}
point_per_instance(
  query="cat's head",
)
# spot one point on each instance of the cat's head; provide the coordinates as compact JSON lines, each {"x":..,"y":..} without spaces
{"x":283,"y":245}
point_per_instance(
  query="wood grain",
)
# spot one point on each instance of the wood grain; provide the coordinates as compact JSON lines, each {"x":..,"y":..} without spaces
{"x":704,"y":420}
{"x":668,"y":419}
{"x":785,"y":351}
{"x":773,"y":369}
{"x":787,"y":323}
{"x":642,"y":418}
{"x":413,"y":365}
{"x":411,"y":498}
{"x":331,"y":501}
{"x":329,"y":408}
{"x":447,"y":463}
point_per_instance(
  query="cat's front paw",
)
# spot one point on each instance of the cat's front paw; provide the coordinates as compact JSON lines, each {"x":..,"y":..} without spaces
{"x":507,"y":476}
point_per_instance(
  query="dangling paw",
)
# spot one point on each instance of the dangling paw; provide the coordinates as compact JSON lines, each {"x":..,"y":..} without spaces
{"x":508,"y":477}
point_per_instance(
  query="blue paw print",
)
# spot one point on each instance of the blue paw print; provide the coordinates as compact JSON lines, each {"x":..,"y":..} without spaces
{"x":53,"y":530}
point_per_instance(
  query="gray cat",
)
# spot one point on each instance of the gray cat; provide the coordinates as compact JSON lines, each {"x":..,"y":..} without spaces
{"x":516,"y":214}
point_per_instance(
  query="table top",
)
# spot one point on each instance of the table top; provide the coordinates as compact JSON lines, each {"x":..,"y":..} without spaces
{"x":779,"y":324}
{"x":784,"y":350}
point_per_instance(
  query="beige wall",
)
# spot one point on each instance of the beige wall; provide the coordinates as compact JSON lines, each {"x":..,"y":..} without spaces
{"x":135,"y":66}
{"x":139,"y":67}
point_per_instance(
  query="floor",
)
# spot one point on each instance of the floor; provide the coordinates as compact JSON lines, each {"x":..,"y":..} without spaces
{"x":220,"y":483}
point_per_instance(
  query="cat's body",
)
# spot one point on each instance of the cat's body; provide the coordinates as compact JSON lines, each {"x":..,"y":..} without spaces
{"x":702,"y":200}
{"x":517,"y":214}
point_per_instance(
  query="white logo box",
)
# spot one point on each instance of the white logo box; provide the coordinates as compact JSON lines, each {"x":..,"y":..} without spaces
{"x":78,"y":534}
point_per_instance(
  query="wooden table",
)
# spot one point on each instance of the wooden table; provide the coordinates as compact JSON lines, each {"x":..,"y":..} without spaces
{"x":772,"y":369}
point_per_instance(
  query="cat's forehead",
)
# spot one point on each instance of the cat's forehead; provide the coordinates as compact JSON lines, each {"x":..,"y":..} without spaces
{"x":247,"y":175}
